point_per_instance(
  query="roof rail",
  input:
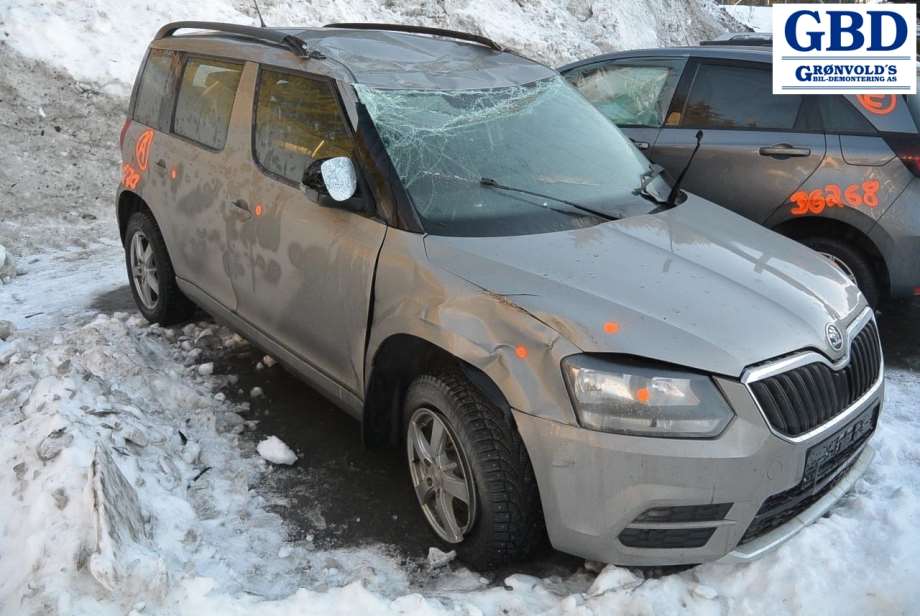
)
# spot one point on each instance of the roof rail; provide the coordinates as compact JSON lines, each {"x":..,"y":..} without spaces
{"x":454,"y":34}
{"x":293,"y":43}
{"x":743,"y":39}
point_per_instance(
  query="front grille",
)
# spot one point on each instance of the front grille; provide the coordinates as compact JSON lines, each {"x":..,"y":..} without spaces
{"x":818,"y":479}
{"x":685,"y":513}
{"x":803,"y":398}
{"x":666,"y":537}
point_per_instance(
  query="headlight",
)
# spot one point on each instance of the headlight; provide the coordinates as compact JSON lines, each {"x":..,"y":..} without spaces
{"x":647,"y":401}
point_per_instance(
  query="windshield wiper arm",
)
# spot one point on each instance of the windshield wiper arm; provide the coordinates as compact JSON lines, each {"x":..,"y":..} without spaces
{"x":491,"y":183}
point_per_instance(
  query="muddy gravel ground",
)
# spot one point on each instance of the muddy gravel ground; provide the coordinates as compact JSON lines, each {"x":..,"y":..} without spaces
{"x":59,"y":160}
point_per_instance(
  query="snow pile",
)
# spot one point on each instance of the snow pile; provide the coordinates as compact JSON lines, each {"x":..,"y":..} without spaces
{"x":757,"y":18}
{"x":7,"y":265}
{"x":103,"y":42}
{"x":274,"y":450}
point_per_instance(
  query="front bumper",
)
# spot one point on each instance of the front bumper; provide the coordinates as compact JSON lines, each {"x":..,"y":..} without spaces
{"x":595,"y":485}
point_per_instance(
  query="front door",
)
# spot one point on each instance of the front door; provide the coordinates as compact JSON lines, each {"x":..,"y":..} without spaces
{"x":304,"y":266}
{"x":757,"y":148}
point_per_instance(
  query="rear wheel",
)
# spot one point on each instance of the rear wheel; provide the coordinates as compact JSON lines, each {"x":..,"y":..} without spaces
{"x":471,"y":472}
{"x":150,"y":272}
{"x":851,"y":261}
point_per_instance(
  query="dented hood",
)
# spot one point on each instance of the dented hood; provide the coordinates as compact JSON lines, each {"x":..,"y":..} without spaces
{"x":696,"y":286}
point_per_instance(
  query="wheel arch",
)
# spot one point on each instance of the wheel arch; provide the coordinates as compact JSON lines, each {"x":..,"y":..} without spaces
{"x":397,"y":361}
{"x":128,"y":204}
{"x":815,"y":226}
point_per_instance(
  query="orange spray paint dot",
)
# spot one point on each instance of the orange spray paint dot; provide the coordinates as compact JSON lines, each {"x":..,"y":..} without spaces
{"x":173,"y":173}
{"x":258,"y":209}
{"x":521,"y":351}
{"x":642,"y":395}
{"x":611,"y":327}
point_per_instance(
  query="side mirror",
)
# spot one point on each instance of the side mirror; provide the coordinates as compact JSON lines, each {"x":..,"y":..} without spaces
{"x":335,"y":177}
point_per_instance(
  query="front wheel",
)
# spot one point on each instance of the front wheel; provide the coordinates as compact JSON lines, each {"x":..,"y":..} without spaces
{"x":471,"y":472}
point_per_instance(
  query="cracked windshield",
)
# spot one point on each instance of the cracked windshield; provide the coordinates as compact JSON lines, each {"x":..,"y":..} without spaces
{"x":517,"y":160}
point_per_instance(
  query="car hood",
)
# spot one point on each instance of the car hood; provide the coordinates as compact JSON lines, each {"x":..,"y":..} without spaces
{"x":697,"y":286}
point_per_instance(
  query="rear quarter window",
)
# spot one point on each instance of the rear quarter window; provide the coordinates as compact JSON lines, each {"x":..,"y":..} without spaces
{"x":205,"y":101}
{"x":151,"y":91}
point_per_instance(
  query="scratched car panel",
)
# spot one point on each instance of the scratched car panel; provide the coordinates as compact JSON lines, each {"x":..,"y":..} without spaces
{"x":824,"y":170}
{"x":460,"y":251}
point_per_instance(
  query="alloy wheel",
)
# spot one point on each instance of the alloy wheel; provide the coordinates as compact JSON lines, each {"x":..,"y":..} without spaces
{"x":144,"y":270}
{"x":441,"y":476}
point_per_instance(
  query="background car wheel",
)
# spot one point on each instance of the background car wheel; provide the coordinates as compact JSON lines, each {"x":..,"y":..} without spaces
{"x":471,"y":472}
{"x":150,"y":272}
{"x":853,"y":263}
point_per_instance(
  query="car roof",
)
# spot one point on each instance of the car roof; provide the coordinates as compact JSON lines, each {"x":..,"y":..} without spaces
{"x":728,"y":52}
{"x":379,"y":58}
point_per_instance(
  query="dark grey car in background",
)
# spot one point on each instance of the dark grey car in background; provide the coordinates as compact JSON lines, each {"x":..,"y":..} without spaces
{"x":838,"y":173}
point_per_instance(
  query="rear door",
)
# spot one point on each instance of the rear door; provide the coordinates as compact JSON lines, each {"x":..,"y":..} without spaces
{"x":633,"y":93}
{"x":197,"y":162}
{"x":757,"y":148}
{"x":304,"y":266}
{"x":861,"y":176}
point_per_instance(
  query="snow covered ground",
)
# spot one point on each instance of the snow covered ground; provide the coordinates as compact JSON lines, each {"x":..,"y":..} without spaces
{"x":130,"y":482}
{"x":757,"y":18}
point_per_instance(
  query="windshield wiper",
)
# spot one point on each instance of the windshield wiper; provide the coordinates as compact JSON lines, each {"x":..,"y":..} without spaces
{"x":490,"y":183}
{"x":646,"y":178}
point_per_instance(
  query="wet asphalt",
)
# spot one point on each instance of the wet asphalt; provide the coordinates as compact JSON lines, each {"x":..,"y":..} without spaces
{"x":339,"y":494}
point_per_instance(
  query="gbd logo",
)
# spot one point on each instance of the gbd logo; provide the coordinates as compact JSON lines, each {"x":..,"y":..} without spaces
{"x":845,"y":30}
{"x":844,"y":49}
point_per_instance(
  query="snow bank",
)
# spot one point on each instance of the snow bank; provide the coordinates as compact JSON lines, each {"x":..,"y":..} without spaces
{"x":757,"y":18}
{"x":103,"y":42}
{"x":276,"y":451}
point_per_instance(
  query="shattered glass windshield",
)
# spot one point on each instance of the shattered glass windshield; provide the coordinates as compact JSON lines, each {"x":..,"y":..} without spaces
{"x":451,"y":148}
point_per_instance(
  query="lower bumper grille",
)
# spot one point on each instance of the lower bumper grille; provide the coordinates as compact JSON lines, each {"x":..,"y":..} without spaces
{"x":666,"y":537}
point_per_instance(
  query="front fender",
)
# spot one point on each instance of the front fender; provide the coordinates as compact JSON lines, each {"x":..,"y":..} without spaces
{"x":516,"y":350}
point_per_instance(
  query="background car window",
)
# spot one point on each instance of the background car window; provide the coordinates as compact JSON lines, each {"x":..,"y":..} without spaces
{"x":839,"y":116}
{"x":152,"y":88}
{"x":628,"y":95}
{"x":298,"y":120}
{"x":205,"y":101}
{"x":724,"y":96}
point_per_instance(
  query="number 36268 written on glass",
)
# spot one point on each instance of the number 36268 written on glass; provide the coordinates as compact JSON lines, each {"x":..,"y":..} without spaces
{"x":833,"y":195}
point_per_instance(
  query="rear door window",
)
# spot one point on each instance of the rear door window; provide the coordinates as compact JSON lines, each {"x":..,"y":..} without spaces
{"x":205,"y":101}
{"x":630,"y":92}
{"x":151,"y":91}
{"x":298,"y":120}
{"x":739,"y":97}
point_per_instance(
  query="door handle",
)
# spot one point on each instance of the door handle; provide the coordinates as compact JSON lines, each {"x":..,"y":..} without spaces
{"x":642,"y":145}
{"x":161,"y":164}
{"x":784,"y":149}
{"x":240,"y":204}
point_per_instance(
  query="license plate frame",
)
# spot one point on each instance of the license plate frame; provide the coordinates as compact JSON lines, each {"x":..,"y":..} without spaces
{"x":827,"y":452}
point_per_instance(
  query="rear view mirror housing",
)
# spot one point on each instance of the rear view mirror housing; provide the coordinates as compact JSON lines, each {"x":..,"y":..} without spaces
{"x":335,"y":177}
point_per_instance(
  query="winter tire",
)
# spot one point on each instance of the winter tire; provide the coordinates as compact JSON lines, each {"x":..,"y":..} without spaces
{"x":151,"y":275}
{"x":471,"y":472}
